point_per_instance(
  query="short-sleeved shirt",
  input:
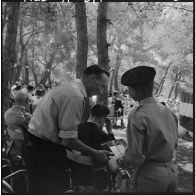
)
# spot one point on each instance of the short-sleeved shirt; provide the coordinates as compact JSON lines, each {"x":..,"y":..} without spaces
{"x":60,"y":111}
{"x":152,"y":134}
{"x":17,"y":116}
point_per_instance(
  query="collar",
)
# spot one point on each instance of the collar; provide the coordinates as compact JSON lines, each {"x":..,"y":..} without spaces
{"x":147,"y":100}
{"x":82,"y":87}
{"x":89,"y":121}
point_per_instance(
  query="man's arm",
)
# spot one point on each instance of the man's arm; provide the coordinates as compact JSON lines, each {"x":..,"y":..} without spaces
{"x":76,"y":144}
{"x":69,"y":119}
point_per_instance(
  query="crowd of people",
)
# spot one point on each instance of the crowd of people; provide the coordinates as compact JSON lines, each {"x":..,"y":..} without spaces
{"x":56,"y":136}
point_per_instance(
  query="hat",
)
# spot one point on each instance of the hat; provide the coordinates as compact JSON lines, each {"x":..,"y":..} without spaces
{"x":138,"y":76}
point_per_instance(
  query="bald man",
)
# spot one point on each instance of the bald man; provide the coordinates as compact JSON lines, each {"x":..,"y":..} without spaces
{"x":17,"y":115}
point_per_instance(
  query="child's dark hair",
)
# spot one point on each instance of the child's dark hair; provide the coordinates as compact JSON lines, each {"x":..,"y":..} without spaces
{"x":99,"y":111}
{"x":95,"y":69}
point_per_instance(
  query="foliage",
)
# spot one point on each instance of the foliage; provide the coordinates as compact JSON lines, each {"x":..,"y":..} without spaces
{"x":138,"y":33}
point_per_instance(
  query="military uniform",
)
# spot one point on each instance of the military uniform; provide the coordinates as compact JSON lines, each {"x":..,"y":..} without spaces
{"x":152,"y":134}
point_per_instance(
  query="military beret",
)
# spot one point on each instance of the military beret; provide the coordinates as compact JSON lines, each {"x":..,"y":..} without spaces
{"x":138,"y":76}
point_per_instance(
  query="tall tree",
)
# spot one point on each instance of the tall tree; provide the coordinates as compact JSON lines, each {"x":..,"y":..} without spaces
{"x":82,"y":37}
{"x":9,"y":50}
{"x":102,"y":45}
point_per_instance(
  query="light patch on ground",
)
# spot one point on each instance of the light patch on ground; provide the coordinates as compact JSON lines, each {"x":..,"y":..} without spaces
{"x":187,"y":167}
{"x":186,"y":144}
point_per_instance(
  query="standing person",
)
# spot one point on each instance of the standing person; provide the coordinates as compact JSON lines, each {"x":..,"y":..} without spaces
{"x":53,"y":128}
{"x":118,"y":108}
{"x":30,"y":91}
{"x":152,"y":134}
{"x":39,"y":93}
{"x":91,"y":133}
{"x":14,"y":90}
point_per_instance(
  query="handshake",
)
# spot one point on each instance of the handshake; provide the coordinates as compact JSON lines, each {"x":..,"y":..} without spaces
{"x":112,"y":163}
{"x":114,"y":167}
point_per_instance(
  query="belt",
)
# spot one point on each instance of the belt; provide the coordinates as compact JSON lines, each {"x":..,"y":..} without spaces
{"x":162,"y":163}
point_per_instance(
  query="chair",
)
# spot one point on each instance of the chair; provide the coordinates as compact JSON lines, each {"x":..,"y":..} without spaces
{"x":6,"y":188}
{"x":9,"y":187}
{"x":16,"y":140}
{"x":14,"y":147}
{"x":77,"y":157}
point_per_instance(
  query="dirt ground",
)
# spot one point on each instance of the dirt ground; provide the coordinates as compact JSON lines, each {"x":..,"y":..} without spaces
{"x":184,"y":159}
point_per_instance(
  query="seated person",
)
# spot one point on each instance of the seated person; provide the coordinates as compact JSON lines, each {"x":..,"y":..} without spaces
{"x":91,"y":133}
{"x":14,"y":90}
{"x":17,"y":116}
{"x":30,"y":90}
{"x":118,"y":107}
{"x":39,"y":93}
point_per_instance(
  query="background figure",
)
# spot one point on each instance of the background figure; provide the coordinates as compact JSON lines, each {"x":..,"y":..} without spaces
{"x":39,"y":93}
{"x":30,"y":91}
{"x":17,"y":119}
{"x":91,"y":134}
{"x":17,"y":115}
{"x":118,"y":108}
{"x":14,"y":90}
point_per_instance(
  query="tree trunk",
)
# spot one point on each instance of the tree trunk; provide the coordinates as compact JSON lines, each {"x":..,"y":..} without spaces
{"x":176,"y":90}
{"x":118,"y":63}
{"x":48,"y":68}
{"x":111,"y":80}
{"x":102,"y":47}
{"x":21,"y":65}
{"x":82,"y":38}
{"x":26,"y":70}
{"x":177,"y":77}
{"x":159,"y":89}
{"x":4,"y":16}
{"x":49,"y":81}
{"x":9,"y":51}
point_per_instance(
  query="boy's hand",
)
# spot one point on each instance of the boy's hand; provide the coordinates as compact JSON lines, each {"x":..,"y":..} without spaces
{"x":112,"y":164}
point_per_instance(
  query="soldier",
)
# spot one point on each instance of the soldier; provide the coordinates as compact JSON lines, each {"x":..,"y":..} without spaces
{"x":152,"y":134}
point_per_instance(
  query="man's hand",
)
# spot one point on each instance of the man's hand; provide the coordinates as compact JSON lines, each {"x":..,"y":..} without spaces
{"x":102,"y":155}
{"x":112,"y":164}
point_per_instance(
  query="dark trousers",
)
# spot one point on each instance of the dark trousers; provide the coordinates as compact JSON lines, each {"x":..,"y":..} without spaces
{"x":46,"y":165}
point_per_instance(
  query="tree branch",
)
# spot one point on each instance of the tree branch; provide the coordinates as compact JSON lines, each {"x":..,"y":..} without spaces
{"x":31,"y":37}
{"x":40,"y":61}
{"x":134,"y":10}
{"x":182,"y":8}
{"x":53,"y":68}
{"x":33,"y":31}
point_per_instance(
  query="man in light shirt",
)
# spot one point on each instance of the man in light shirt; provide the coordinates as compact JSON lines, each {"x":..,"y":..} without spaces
{"x":54,"y":127}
